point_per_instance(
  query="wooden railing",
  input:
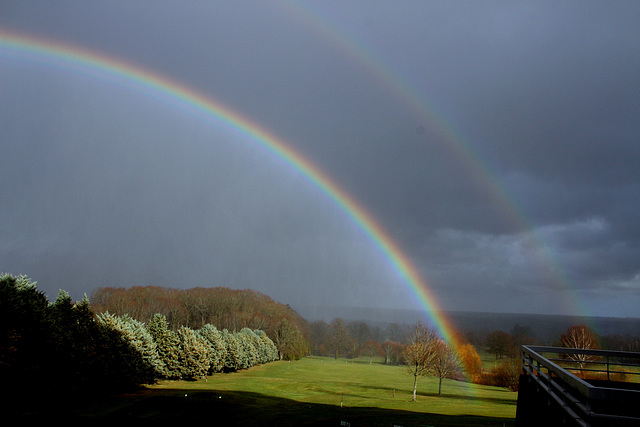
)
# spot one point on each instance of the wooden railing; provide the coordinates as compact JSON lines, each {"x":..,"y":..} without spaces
{"x":584,"y":387}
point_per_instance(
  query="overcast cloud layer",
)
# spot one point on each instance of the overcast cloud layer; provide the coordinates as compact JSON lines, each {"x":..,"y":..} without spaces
{"x":526,"y":202}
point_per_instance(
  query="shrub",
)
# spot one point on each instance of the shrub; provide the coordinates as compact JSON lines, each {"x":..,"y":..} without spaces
{"x":507,"y":375}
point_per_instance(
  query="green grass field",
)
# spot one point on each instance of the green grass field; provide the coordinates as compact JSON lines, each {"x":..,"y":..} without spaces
{"x":324,"y":391}
{"x":314,"y":391}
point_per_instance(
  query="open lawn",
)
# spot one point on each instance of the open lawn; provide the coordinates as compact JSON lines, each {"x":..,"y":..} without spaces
{"x":324,"y":391}
{"x":314,"y":391}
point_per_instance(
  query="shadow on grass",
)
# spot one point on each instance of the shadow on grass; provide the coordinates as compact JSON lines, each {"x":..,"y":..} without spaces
{"x":491,"y":400}
{"x":236,"y":408}
{"x":471,"y":396}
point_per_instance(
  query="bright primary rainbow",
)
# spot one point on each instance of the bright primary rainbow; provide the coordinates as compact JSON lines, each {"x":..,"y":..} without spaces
{"x":182,"y":95}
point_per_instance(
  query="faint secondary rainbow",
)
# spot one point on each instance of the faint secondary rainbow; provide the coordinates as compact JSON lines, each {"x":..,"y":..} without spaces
{"x":181,"y":95}
{"x":393,"y":81}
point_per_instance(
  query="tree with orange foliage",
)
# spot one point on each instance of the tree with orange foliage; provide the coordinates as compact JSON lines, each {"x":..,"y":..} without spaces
{"x":471,"y":361}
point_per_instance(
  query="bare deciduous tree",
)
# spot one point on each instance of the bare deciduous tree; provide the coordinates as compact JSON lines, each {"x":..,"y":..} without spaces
{"x":445,"y":363}
{"x":372,"y":349}
{"x":580,"y":337}
{"x":392,"y":352}
{"x":340,"y":337}
{"x":500,"y":343}
{"x":420,"y":352}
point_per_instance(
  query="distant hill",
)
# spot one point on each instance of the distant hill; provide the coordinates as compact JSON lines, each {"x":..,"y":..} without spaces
{"x":547,"y":328}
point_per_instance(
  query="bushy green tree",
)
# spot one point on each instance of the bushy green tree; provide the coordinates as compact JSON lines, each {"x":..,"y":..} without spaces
{"x":217,"y":351}
{"x":23,"y":330}
{"x":262,"y":351}
{"x":63,"y":342}
{"x":193,"y":354}
{"x":129,"y":360}
{"x":233,"y":356}
{"x":167,"y":344}
{"x":250,"y":351}
{"x":76,"y":347}
{"x":268,"y":347}
{"x":139,"y":337}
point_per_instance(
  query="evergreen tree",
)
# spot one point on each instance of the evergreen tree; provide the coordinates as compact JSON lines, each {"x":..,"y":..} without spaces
{"x":270,"y":348}
{"x":262,"y":351}
{"x":74,"y":343}
{"x":126,"y":363}
{"x":23,"y":331}
{"x":167,"y":344}
{"x":142,"y":341}
{"x":250,"y":352}
{"x":217,"y":347}
{"x":193,"y":354}
{"x":233,"y":356}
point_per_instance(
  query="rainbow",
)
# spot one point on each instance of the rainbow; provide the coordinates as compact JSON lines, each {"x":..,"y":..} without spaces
{"x":182,"y":96}
{"x":425,"y":113}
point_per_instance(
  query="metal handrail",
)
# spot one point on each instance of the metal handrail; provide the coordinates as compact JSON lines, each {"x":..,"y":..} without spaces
{"x":576,"y":396}
{"x":607,"y":355}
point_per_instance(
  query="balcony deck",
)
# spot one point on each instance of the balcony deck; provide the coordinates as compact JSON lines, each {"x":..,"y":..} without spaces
{"x":578,"y":387}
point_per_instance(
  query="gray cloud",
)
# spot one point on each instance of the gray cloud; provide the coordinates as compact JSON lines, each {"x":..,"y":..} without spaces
{"x":532,"y":208}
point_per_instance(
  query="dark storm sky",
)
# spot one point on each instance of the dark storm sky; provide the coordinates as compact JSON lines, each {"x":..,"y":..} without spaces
{"x":496,"y":142}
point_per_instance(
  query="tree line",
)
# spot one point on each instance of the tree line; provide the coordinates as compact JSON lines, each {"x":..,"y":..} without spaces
{"x":352,"y":339}
{"x":73,"y":349}
{"x":224,"y":308}
{"x":132,"y":336}
{"x":504,"y":344}
{"x":188,"y":353}
{"x":128,"y":337}
{"x":397,"y":344}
